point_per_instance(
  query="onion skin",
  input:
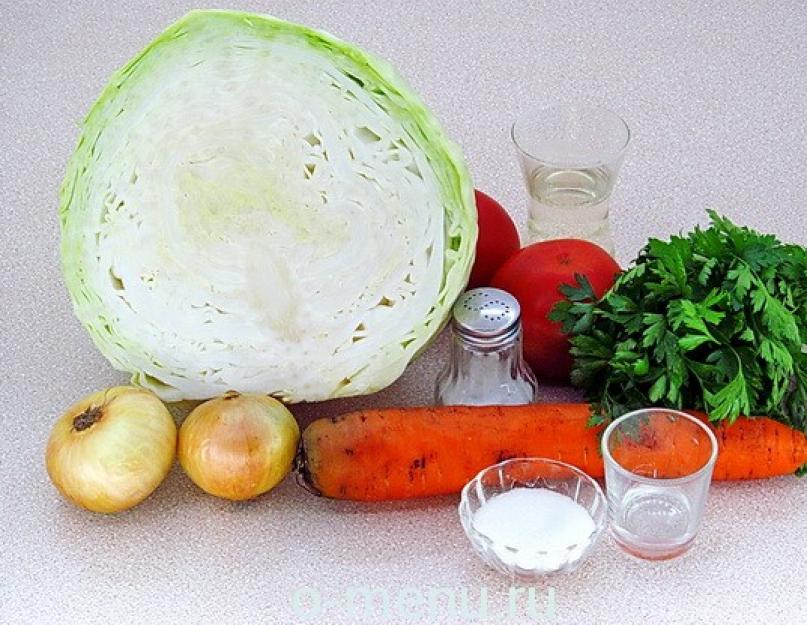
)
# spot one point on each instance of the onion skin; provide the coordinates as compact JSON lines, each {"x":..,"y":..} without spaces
{"x":238,"y":446}
{"x":112,"y":449}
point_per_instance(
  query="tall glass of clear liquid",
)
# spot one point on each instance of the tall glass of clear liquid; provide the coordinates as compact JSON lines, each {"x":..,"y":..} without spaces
{"x":570,"y":156}
{"x":658,"y":467}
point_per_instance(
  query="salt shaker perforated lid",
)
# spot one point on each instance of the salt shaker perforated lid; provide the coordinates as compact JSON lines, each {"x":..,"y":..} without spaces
{"x":487,"y":315}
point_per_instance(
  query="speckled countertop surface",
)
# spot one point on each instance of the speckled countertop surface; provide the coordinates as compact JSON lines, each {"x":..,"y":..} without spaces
{"x":715,"y":95}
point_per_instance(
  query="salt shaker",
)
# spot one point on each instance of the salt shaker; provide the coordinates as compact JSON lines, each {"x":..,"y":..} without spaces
{"x":486,"y":364}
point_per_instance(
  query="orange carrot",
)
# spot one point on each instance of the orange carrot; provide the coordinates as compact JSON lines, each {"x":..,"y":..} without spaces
{"x":401,"y":453}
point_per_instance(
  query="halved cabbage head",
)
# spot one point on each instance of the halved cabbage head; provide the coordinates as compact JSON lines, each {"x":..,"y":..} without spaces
{"x":258,"y":206}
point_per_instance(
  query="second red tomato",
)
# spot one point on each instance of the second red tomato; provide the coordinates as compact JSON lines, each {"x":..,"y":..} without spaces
{"x":534,"y":276}
{"x":498,"y":240}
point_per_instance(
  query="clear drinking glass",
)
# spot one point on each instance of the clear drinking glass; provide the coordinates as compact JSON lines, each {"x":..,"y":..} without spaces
{"x":658,"y":466}
{"x":570,"y":156}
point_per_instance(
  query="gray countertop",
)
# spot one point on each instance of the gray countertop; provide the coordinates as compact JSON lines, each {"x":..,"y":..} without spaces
{"x":715,"y":95}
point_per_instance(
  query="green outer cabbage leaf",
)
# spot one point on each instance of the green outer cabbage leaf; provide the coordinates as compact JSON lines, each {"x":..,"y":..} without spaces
{"x":256,"y":205}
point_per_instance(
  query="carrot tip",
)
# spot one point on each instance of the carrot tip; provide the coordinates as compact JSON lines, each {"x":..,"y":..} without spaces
{"x":302,"y":473}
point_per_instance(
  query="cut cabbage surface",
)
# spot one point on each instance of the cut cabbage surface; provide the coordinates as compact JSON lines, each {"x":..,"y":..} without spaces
{"x":255,"y":205}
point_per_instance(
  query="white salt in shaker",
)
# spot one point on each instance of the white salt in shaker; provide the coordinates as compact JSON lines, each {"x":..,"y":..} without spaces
{"x":486,"y":365}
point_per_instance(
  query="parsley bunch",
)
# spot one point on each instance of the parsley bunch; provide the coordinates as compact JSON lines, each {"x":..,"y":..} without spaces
{"x":714,"y":320}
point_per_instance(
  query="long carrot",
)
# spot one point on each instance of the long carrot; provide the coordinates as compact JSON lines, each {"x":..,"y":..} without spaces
{"x":402,"y":453}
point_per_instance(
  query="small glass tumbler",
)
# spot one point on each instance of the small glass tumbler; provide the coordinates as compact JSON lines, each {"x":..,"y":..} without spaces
{"x":658,"y":466}
{"x":570,"y":156}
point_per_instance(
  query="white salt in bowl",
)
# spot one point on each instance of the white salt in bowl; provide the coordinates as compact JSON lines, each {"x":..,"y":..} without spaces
{"x":551,"y":518}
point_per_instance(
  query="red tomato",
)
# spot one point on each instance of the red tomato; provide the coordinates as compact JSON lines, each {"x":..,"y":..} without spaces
{"x":498,"y":240}
{"x":534,"y":276}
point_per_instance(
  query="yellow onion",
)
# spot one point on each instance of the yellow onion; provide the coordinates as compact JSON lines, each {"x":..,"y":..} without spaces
{"x":110,"y":450}
{"x":238,"y":446}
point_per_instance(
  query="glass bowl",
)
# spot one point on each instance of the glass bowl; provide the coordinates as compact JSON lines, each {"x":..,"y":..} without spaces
{"x":532,"y":563}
